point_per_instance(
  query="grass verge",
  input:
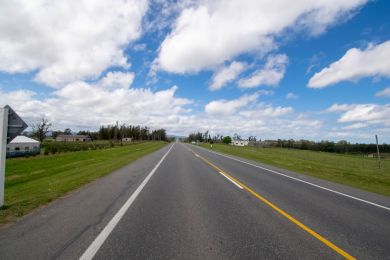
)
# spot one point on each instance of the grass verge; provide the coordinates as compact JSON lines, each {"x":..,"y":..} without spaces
{"x":32,"y":182}
{"x":353,"y":170}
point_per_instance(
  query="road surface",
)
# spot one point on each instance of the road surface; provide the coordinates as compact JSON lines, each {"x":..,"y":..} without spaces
{"x":185,"y":202}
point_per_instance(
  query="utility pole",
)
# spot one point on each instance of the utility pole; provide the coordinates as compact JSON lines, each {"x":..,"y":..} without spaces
{"x":116,"y":131}
{"x":377,"y":150}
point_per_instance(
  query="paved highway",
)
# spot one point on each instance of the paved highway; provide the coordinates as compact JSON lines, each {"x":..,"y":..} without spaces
{"x":185,"y":202}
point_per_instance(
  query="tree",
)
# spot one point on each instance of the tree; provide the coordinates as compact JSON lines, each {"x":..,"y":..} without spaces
{"x":227,"y":140}
{"x":41,"y":128}
{"x":236,"y":137}
{"x":67,"y":131}
{"x":56,"y":133}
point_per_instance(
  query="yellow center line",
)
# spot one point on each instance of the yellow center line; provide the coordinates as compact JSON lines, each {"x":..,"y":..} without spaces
{"x":282,"y":212}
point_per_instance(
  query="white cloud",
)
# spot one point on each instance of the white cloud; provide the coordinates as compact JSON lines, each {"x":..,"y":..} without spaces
{"x":66,"y":41}
{"x":84,"y":105}
{"x":264,"y":111}
{"x":363,"y":113}
{"x":209,"y":33}
{"x":355,"y":126}
{"x":384,"y":93}
{"x":291,"y":95}
{"x":270,"y":75}
{"x":139,"y":47}
{"x":227,"y":107}
{"x":304,"y":124}
{"x":114,"y":80}
{"x":340,"y":107}
{"x":226,"y":74}
{"x":355,"y":64}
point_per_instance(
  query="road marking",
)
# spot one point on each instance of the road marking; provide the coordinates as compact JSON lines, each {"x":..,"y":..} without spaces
{"x":99,"y":240}
{"x":282,"y":212}
{"x":306,"y":182}
{"x":227,"y":177}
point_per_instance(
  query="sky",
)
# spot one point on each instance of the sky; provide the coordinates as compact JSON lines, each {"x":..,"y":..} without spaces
{"x":317,"y":70}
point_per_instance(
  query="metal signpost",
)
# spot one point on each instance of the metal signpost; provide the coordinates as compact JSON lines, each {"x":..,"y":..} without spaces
{"x":11,"y":126}
{"x":377,"y":150}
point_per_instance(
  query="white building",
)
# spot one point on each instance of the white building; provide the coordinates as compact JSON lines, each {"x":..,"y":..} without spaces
{"x":240,"y":142}
{"x":22,"y":146}
{"x":73,"y":138}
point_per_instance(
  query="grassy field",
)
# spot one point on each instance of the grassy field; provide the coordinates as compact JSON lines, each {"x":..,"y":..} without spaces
{"x":32,"y":182}
{"x":353,"y":170}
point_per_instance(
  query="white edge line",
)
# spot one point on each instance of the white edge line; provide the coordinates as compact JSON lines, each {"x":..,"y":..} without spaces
{"x":99,"y":240}
{"x":309,"y":183}
{"x":235,"y":183}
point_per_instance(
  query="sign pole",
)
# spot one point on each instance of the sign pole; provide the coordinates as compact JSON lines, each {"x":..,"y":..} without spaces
{"x":3,"y":150}
{"x":377,"y":150}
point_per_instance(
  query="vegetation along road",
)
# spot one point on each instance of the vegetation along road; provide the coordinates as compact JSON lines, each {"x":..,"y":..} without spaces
{"x":353,"y":170}
{"x":32,"y":182}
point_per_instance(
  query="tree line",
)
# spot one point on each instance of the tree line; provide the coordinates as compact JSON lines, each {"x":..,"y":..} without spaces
{"x":136,"y":132}
{"x":342,"y":146}
{"x":42,"y":129}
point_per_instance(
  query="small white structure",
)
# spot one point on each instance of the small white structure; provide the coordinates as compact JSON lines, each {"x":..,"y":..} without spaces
{"x":22,"y":145}
{"x":240,"y":142}
{"x":127,"y":139}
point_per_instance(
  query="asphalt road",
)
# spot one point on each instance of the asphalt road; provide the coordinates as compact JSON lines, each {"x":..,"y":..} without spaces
{"x":185,"y":202}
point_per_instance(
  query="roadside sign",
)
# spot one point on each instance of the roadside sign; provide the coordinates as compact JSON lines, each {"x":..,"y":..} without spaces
{"x":15,"y":124}
{"x":11,"y":125}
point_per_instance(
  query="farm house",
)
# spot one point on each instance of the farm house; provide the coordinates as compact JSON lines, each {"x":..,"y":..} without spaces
{"x":240,"y":142}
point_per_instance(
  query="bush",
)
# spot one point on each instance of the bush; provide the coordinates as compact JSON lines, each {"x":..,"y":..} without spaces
{"x":227,"y":140}
{"x":63,"y":147}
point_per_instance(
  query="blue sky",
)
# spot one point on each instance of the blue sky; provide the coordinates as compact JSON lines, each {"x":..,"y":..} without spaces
{"x":317,"y":70}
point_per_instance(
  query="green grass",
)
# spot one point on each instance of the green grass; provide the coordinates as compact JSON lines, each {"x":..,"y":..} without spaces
{"x":32,"y":182}
{"x":353,"y":170}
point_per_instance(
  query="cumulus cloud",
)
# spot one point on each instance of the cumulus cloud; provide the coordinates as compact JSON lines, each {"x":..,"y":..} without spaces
{"x":85,"y":105}
{"x":66,"y":41}
{"x":265,"y":111}
{"x":226,"y":75}
{"x":291,"y":95}
{"x":270,"y":75}
{"x":209,"y":33}
{"x":114,"y":80}
{"x":340,"y":107}
{"x":354,"y":65}
{"x":363,"y":113}
{"x":265,"y":121}
{"x":82,"y":105}
{"x":247,"y":116}
{"x":355,"y":126}
{"x":226,"y":107}
{"x":384,"y":93}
